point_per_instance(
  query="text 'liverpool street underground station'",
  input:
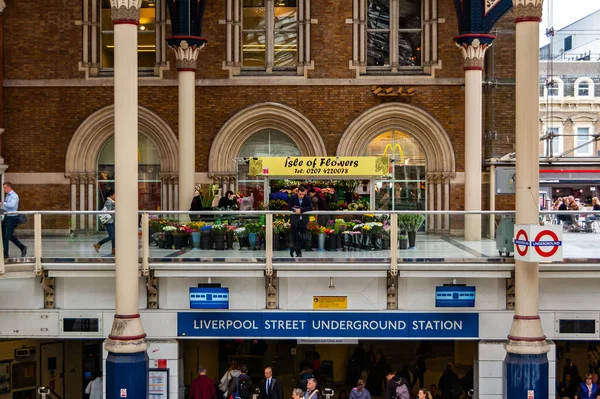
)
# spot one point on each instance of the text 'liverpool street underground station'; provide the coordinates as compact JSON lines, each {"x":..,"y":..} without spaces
{"x":327,"y":325}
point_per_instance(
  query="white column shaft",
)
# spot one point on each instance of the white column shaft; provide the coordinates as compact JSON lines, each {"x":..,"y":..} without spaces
{"x":492,"y":201}
{"x":473,"y":126}
{"x":126,"y":169}
{"x":527,"y":159}
{"x":170,"y":205}
{"x":164,"y":203}
{"x":307,"y":32}
{"x":187,"y":138}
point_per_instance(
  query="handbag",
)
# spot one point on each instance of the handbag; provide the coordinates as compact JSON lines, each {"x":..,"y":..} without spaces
{"x":21,"y":219}
{"x":104,"y":217}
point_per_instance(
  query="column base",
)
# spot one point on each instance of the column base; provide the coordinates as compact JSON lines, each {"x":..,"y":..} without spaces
{"x":127,"y":375}
{"x":525,"y":373}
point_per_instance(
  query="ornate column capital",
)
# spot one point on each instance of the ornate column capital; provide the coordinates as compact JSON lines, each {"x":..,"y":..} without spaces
{"x":528,"y":10}
{"x":473,"y":48}
{"x":186,"y":49}
{"x":73,"y":178}
{"x":125,"y":11}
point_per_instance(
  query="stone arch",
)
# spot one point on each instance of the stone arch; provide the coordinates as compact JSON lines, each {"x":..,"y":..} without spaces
{"x":234,"y":133}
{"x":425,"y":129}
{"x":88,"y":140}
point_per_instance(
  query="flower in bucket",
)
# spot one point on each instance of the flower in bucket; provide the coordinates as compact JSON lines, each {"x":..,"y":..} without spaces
{"x":312,"y":228}
{"x":240,"y":232}
{"x":196,"y":226}
{"x":182,"y":230}
{"x":169,"y":229}
{"x":219,"y":228}
{"x":329,"y":231}
{"x":206,"y":228}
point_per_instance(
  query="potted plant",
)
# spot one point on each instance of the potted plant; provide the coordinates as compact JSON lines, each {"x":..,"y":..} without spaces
{"x":348,"y":187}
{"x":242,"y":237}
{"x":312,"y":230}
{"x":169,"y":229}
{"x":195,"y":233}
{"x":206,"y":237}
{"x":218,"y":235}
{"x":253,"y":230}
{"x":403,"y":240}
{"x":229,"y":236}
{"x":181,"y":236}
{"x":411,"y":223}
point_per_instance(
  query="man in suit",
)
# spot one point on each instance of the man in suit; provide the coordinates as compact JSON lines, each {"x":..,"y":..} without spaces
{"x":299,"y":203}
{"x":270,"y":387}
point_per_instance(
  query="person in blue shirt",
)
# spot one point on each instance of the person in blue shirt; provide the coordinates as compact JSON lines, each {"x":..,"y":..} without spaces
{"x":10,"y":222}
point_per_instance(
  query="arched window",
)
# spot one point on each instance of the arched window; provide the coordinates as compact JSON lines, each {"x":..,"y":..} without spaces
{"x":266,"y":143}
{"x":407,"y":188}
{"x":584,"y":87}
{"x":269,"y":143}
{"x":554,"y":87}
{"x":149,"y":185}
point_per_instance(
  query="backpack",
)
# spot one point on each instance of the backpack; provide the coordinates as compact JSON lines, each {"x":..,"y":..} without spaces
{"x":243,"y":387}
{"x":401,"y":391}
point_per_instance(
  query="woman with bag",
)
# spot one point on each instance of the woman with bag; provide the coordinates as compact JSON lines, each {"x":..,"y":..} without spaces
{"x":108,"y":221}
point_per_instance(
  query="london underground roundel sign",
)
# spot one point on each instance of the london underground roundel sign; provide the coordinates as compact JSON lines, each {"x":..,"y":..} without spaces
{"x":534,"y":243}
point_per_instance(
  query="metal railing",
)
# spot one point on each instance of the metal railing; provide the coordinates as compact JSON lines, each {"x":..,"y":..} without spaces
{"x":47,"y":232}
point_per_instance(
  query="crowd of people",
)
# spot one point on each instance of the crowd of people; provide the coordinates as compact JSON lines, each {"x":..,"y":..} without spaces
{"x":379,"y":381}
{"x":570,"y":221}
{"x":572,"y":386}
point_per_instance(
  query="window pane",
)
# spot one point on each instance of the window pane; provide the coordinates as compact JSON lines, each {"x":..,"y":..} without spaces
{"x":378,"y":14}
{"x":286,"y":15}
{"x":254,"y":18}
{"x":584,"y":89}
{"x":378,"y":49}
{"x":146,"y":36}
{"x":286,"y":45}
{"x":409,"y":49}
{"x":583,"y":137}
{"x":410,"y":14}
{"x":553,"y":89}
{"x":253,"y":49}
{"x":269,"y":143}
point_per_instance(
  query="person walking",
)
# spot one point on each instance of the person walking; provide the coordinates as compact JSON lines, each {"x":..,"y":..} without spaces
{"x":241,"y":387}
{"x":10,"y":222}
{"x":270,"y":387}
{"x":202,"y":387}
{"x":449,"y":384}
{"x":109,"y":225}
{"x":359,"y":391}
{"x":311,"y":390}
{"x":587,"y":389}
{"x":299,"y":204}
{"x":94,"y":388}
{"x":233,"y":372}
{"x":419,"y":369}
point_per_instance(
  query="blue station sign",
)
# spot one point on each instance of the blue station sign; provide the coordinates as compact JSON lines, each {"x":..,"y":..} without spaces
{"x":340,"y":325}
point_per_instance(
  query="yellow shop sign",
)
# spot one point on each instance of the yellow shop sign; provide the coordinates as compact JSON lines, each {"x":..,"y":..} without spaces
{"x":330,"y":302}
{"x":319,"y":166}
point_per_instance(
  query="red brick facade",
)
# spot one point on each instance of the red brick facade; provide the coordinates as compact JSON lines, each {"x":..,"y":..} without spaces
{"x":43,"y":42}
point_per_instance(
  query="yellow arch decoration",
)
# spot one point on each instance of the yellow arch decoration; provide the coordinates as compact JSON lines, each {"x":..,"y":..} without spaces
{"x":389,"y":146}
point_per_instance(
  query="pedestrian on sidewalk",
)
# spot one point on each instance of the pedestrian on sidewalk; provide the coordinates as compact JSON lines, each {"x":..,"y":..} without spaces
{"x":10,"y":222}
{"x":109,"y":224}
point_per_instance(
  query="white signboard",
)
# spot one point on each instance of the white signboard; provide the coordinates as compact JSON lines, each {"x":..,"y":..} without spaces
{"x":535,"y":243}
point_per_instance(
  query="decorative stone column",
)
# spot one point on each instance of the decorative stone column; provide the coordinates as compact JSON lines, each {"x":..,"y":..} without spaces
{"x":473,"y":47}
{"x":186,"y":43}
{"x":82,"y":179}
{"x":127,"y":362}
{"x":73,"y":180}
{"x":526,"y":362}
{"x":90,"y":200}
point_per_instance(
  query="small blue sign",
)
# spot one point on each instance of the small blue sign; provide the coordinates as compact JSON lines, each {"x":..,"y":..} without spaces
{"x":455,"y":296}
{"x":209,"y":298}
{"x":323,"y":325}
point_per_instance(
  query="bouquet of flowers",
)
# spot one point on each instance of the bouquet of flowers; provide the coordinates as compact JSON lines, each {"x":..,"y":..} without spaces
{"x":312,"y":227}
{"x":169,"y":229}
{"x":278,"y":204}
{"x":219,"y":228}
{"x":182,"y":230}
{"x":339,"y":226}
{"x":240,"y":232}
{"x":281,"y":227}
{"x":196,"y":226}
{"x":157,"y":224}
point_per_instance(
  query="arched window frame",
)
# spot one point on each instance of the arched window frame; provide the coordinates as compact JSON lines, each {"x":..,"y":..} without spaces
{"x":590,"y":83}
{"x":560,"y":89}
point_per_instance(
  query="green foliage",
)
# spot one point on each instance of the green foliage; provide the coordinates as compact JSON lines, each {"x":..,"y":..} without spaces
{"x":410,"y":222}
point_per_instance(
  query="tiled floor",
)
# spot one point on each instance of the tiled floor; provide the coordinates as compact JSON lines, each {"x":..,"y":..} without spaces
{"x":428,"y":247}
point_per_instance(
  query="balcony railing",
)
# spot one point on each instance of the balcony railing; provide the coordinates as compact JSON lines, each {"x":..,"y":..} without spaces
{"x":250,"y":243}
